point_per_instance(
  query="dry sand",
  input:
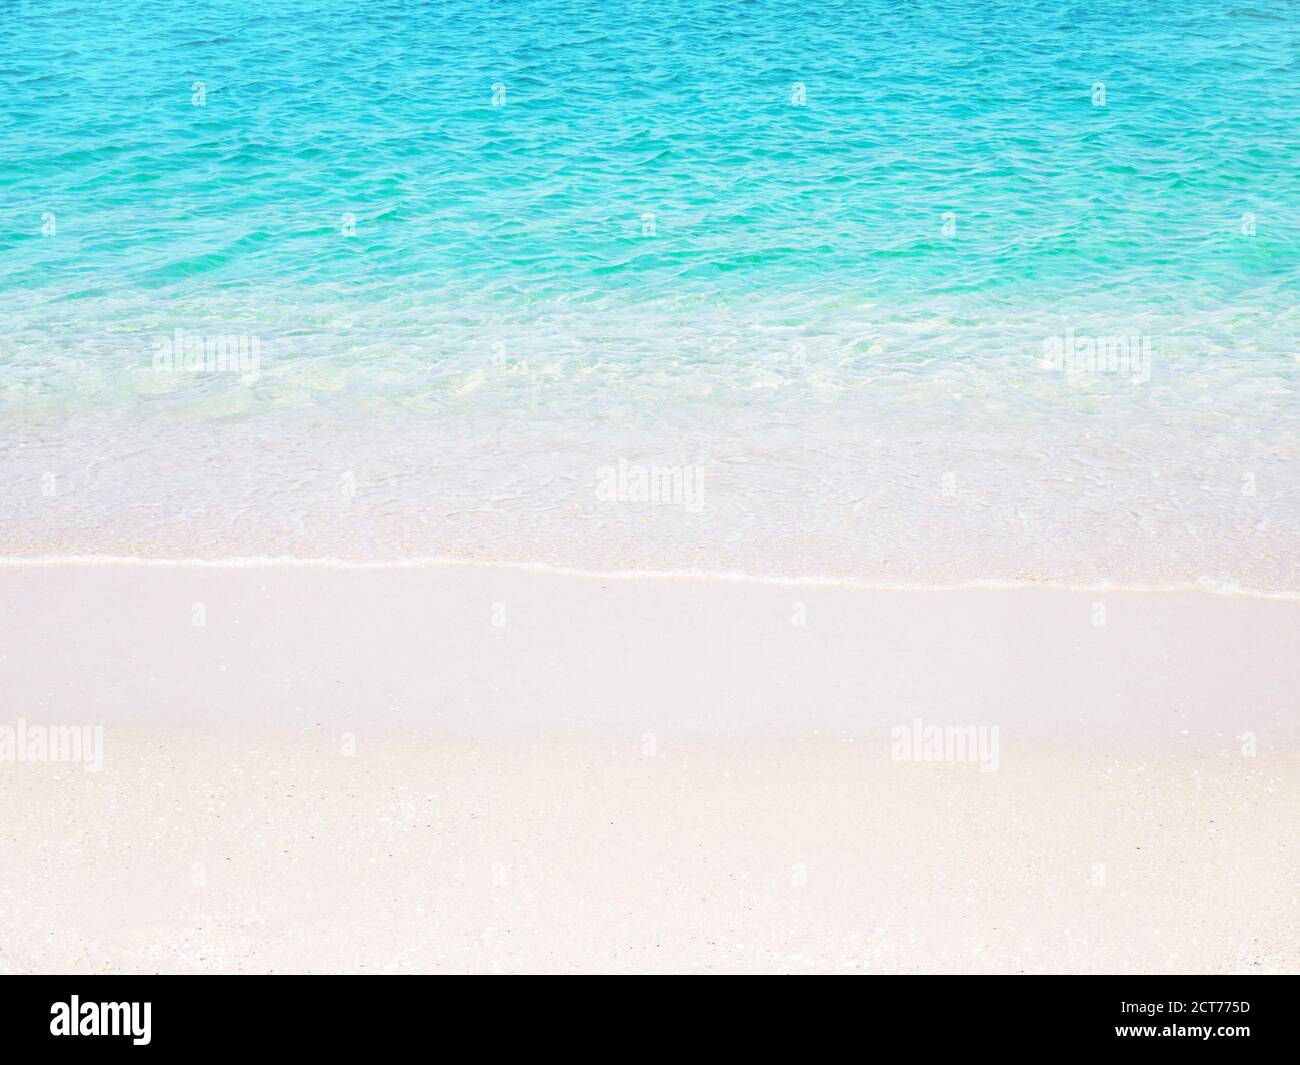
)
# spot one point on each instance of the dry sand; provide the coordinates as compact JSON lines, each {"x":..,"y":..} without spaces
{"x":486,"y":769}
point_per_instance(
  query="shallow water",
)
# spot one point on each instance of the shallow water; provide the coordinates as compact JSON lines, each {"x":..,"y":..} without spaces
{"x":826,"y":257}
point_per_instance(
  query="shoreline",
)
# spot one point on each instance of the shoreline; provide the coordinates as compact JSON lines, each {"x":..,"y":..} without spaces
{"x":1208,"y":586}
{"x":886,"y":504}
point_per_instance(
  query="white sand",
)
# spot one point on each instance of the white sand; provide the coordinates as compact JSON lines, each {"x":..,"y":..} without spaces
{"x":356,"y":769}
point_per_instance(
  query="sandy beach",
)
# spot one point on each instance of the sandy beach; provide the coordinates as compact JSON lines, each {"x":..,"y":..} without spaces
{"x":315,"y":768}
{"x":650,"y":488}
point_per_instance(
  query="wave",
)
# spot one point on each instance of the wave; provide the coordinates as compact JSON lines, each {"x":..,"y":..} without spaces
{"x":1210,"y":586}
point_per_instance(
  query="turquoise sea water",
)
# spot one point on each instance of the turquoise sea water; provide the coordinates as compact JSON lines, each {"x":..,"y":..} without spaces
{"x":817,"y":251}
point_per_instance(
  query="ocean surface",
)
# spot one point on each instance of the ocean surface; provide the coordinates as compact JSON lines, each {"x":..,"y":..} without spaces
{"x":908,"y":292}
